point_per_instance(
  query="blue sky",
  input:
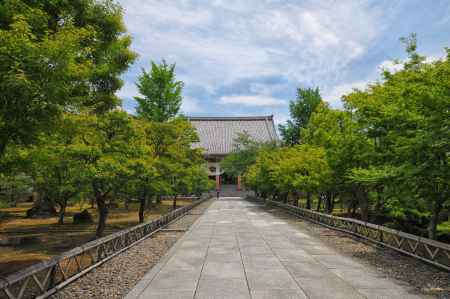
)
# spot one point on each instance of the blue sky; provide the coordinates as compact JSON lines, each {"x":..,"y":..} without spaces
{"x":248,"y":57}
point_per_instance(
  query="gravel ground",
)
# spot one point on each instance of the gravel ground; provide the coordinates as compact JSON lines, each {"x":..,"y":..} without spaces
{"x":117,"y":277}
{"x":428,"y":280}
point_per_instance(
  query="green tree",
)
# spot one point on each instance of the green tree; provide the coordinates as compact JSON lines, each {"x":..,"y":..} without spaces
{"x":12,"y":186}
{"x":180,"y":163}
{"x":300,"y":110}
{"x":407,"y":118}
{"x":57,"y":164}
{"x":258,"y":178}
{"x":113,"y":147}
{"x":243,"y":155}
{"x":145,"y":180}
{"x":286,"y":172}
{"x":161,"y":93}
{"x":57,"y":56}
{"x":346,"y":148}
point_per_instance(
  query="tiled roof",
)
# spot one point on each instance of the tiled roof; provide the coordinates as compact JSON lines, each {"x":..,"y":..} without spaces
{"x":217,"y":134}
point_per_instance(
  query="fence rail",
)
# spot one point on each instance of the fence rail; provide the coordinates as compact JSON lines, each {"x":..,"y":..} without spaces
{"x":46,"y":278}
{"x":427,"y":250}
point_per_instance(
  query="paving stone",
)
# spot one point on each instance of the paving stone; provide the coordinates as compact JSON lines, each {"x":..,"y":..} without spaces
{"x":270,"y":279}
{"x":183,"y":280}
{"x":219,"y":270}
{"x":338,"y":262}
{"x":327,"y":287}
{"x":278,"y":294}
{"x":306,"y":269}
{"x":315,"y":249}
{"x":236,"y":249}
{"x":194,"y":244}
{"x":165,"y":294}
{"x":364,"y":279}
{"x":253,"y":251}
{"x":222,"y":288}
{"x":223,"y":257}
{"x":180,"y":262}
{"x":262,"y":263}
{"x":293,"y":255}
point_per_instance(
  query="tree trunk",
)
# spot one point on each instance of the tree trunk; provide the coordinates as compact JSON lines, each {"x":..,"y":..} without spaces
{"x":150,"y":201}
{"x":284,"y":197}
{"x":319,"y":202}
{"x":102,"y":215}
{"x":3,"y":147}
{"x":142,"y":201}
{"x":62,"y":211}
{"x":363,"y":205}
{"x":379,"y":207}
{"x":308,"y":200}
{"x":328,"y":202}
{"x":174,"y":206}
{"x":127,"y":203}
{"x":295,"y":199}
{"x":432,"y":225}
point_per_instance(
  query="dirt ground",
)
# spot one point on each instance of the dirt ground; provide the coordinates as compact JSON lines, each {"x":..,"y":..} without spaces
{"x":45,"y":238}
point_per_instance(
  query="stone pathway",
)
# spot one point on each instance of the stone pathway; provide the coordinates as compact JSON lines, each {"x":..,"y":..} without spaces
{"x":238,"y":249}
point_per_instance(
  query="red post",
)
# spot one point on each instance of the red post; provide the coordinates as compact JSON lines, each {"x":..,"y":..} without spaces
{"x":239,"y":183}
{"x":217,"y":182}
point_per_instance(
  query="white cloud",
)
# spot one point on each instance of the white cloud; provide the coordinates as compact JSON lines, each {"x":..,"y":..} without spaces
{"x":164,"y":12}
{"x":390,"y":66}
{"x":394,"y":66}
{"x":128,"y":91}
{"x":251,"y":100}
{"x":190,"y":105}
{"x":219,"y":43}
{"x":334,"y":95}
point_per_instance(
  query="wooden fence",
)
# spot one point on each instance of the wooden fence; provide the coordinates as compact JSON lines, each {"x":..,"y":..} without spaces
{"x":427,"y":250}
{"x":46,"y":278}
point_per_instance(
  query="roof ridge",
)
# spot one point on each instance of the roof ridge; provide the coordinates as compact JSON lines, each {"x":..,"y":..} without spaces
{"x":230,"y":118}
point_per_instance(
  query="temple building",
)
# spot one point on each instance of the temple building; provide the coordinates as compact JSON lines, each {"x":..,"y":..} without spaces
{"x":217,"y":137}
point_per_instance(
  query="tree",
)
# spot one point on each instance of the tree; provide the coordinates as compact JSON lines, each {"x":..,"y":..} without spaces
{"x":258,"y":178}
{"x":180,"y":163}
{"x":12,"y":186}
{"x":57,"y":56}
{"x":407,"y":117}
{"x":161,"y":93}
{"x":346,"y":148}
{"x":112,"y":141}
{"x":287,"y":171}
{"x":300,"y":110}
{"x":243,"y":155}
{"x":300,"y":168}
{"x":57,"y":164}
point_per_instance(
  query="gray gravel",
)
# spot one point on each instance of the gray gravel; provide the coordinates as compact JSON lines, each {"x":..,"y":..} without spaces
{"x":426,"y":279}
{"x":117,"y":277}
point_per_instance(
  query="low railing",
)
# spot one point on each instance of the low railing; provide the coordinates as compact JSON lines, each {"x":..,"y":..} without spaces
{"x":46,"y":278}
{"x":427,"y":250}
